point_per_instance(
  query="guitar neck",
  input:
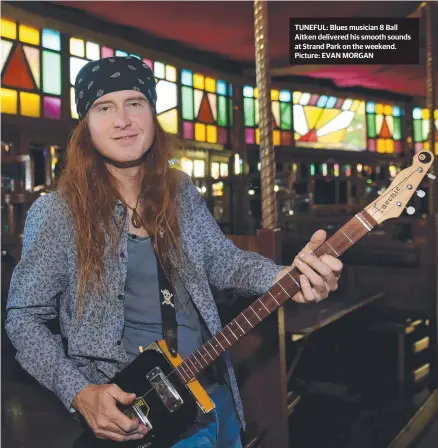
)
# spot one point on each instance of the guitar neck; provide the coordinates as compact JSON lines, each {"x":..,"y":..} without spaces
{"x":278,"y":294}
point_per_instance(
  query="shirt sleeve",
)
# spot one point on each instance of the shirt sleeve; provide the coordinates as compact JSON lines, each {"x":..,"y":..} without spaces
{"x":38,"y":281}
{"x":227,"y":266}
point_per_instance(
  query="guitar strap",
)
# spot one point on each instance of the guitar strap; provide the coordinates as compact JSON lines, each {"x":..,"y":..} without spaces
{"x":168,"y":313}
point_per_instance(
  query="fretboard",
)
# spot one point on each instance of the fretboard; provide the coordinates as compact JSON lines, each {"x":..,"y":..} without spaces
{"x":277,"y":295}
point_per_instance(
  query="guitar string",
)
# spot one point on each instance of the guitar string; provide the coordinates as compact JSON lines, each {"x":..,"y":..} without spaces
{"x":292,"y":270}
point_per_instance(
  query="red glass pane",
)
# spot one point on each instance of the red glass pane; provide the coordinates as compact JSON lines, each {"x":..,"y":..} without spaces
{"x":205,"y":114}
{"x":17,"y":74}
{"x":384,"y":132}
{"x":52,"y":107}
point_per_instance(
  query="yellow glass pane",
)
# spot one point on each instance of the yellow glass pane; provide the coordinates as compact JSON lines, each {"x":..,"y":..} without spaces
{"x":256,"y":92}
{"x":379,"y":108}
{"x":355,"y":106}
{"x":296,"y":136}
{"x":210,"y":85}
{"x":198,"y":81}
{"x":170,"y":73}
{"x":425,"y":114}
{"x":312,"y":114}
{"x":211,"y":134}
{"x":361,"y":109}
{"x":436,"y":148}
{"x":74,"y":113}
{"x":8,"y":29}
{"x":276,"y":138}
{"x":387,"y":110}
{"x":200,"y":132}
{"x":297,"y":96}
{"x":77,"y":47}
{"x":435,"y":114}
{"x":8,"y":101}
{"x":326,"y":116}
{"x":336,"y":137}
{"x":29,"y":35}
{"x":275,"y":95}
{"x":381,"y":146}
{"x":426,"y":146}
{"x":169,"y":121}
{"x":30,"y":104}
{"x":390,"y":145}
{"x":257,"y":136}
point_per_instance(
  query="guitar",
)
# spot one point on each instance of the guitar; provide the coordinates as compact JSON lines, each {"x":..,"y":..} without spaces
{"x":169,"y":398}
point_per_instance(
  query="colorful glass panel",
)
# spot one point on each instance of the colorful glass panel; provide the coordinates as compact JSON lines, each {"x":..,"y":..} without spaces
{"x":324,"y":121}
{"x":205,"y":108}
{"x":384,"y":126}
{"x":31,"y":70}
{"x":281,"y":116}
{"x":421,"y":128}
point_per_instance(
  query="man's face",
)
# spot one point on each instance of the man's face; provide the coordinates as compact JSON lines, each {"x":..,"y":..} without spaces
{"x":121,"y":125}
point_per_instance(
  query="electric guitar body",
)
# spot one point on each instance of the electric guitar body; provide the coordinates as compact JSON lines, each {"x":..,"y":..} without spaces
{"x":169,"y":398}
{"x":165,"y":404}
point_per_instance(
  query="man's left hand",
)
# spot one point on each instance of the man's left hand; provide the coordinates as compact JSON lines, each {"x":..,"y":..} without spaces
{"x":319,"y":276}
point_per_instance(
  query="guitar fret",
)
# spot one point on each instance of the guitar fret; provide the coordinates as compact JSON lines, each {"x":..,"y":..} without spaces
{"x":364,"y":222}
{"x":180,"y":370}
{"x":193,"y":364}
{"x":273,"y":298}
{"x":196,"y":359}
{"x":190,"y":370}
{"x":352,"y":242}
{"x":329,"y":245}
{"x":255,"y":313}
{"x":237,"y":323}
{"x":217,"y":340}
{"x":199,"y":351}
{"x":212,"y":346}
{"x":223,"y":334}
{"x":208,"y":353}
{"x":247,"y":320}
{"x":293,"y":278}
{"x":229,"y":328}
{"x":281,"y":286}
{"x":261,"y":301}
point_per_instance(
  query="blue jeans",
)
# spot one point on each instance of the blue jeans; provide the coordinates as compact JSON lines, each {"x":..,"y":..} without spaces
{"x":218,"y":429}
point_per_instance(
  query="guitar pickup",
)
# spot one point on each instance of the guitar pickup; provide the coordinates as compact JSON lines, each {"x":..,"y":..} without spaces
{"x":164,"y":389}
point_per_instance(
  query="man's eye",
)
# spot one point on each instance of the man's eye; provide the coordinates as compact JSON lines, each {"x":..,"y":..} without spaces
{"x":104,"y":109}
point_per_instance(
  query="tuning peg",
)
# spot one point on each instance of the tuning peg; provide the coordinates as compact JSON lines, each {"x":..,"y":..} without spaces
{"x":421,"y":193}
{"x":410,"y":210}
{"x":431,"y":176}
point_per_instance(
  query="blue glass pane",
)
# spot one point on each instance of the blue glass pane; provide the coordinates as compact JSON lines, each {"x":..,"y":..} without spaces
{"x":322,"y":101}
{"x":395,"y":111}
{"x":187,"y":78}
{"x":51,"y":39}
{"x":230,"y":90}
{"x":221,"y":87}
{"x":371,"y":107}
{"x":121,"y":53}
{"x":135,"y":56}
{"x":331,"y":102}
{"x":285,"y":96}
{"x":417,"y":114}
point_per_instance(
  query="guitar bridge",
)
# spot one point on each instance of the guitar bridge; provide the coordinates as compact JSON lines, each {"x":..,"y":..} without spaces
{"x":164,"y":389}
{"x":141,"y":410}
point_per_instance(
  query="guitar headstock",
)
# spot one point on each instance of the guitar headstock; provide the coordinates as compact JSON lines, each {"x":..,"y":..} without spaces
{"x":393,"y":201}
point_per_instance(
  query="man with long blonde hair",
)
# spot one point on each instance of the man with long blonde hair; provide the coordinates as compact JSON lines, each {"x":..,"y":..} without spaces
{"x":90,"y":254}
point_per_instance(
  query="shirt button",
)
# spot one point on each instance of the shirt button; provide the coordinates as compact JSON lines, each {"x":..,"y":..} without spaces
{"x":121,"y":297}
{"x":119,"y":342}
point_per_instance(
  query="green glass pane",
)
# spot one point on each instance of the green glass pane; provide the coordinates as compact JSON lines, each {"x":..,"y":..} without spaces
{"x":248,"y":107}
{"x":417,"y":131}
{"x":51,"y":73}
{"x":397,"y":129}
{"x":371,"y":123}
{"x":230,"y":104}
{"x":286,"y":116}
{"x":256,"y":102}
{"x":222,"y":110}
{"x":187,"y":103}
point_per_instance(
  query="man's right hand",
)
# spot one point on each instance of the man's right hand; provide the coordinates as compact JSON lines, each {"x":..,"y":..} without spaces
{"x":98,"y":405}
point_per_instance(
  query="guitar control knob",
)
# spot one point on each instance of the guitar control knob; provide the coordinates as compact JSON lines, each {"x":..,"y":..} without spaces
{"x":410,"y":210}
{"x":421,"y":193}
{"x":431,"y":176}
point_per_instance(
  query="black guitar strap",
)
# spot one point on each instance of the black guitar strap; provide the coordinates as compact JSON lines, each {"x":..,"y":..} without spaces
{"x":167,"y":304}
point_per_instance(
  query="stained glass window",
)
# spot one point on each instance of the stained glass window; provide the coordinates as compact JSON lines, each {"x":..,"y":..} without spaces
{"x":323,"y":121}
{"x":281,"y":104}
{"x":384,"y":128}
{"x":206,"y":108}
{"x":31,"y":70}
{"x":421,"y":127}
{"x":167,"y":95}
